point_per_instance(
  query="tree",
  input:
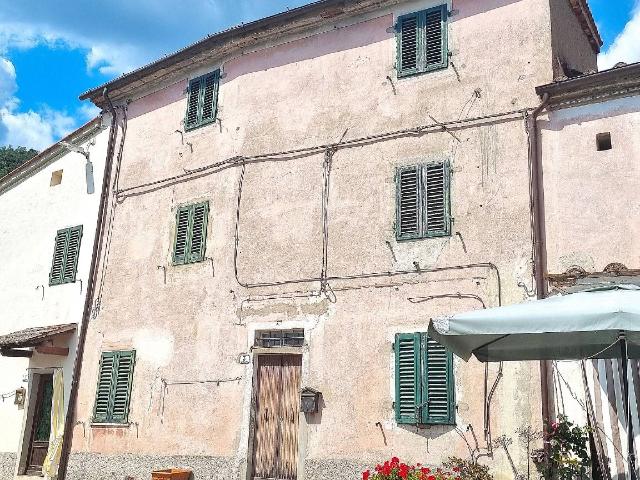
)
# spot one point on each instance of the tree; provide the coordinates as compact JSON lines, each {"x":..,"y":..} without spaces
{"x":11,"y":157}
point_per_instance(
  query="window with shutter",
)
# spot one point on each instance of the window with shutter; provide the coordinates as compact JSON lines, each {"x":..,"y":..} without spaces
{"x":115,"y":378}
{"x":191,"y":233}
{"x":422,"y":41}
{"x":66,"y":250}
{"x":202,"y":100}
{"x":423,"y":201}
{"x":424,"y":381}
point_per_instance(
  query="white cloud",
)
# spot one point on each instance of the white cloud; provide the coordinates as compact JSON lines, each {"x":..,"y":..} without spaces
{"x":29,"y":129}
{"x":35,"y":129}
{"x":123,"y":35}
{"x":626,"y":47}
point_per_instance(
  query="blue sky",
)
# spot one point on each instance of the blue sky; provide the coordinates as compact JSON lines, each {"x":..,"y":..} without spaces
{"x":51,"y":51}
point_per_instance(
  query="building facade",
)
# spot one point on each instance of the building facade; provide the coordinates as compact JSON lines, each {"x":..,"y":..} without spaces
{"x":49,"y":208}
{"x":590,"y":151}
{"x":296,"y":198}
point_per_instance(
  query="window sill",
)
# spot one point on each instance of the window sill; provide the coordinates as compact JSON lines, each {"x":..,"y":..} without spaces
{"x":110,"y":425}
{"x":200,"y":125}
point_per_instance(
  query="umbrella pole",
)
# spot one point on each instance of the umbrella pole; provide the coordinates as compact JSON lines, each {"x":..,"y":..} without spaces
{"x":625,"y":388}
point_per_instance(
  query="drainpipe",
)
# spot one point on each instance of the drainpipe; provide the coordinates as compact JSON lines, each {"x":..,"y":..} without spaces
{"x":539,"y":237}
{"x":93,"y":274}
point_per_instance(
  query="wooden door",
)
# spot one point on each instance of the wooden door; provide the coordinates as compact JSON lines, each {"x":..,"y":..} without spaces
{"x":277,"y":403}
{"x":41,"y":427}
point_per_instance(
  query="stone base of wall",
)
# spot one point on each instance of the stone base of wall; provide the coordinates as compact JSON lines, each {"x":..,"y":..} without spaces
{"x":96,"y":466}
{"x":334,"y":469}
{"x":7,"y":465}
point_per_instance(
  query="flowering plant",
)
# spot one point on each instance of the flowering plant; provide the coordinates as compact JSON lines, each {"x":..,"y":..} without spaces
{"x":394,"y":469}
{"x":566,"y":457}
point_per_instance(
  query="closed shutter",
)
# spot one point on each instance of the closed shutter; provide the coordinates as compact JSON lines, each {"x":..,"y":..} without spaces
{"x":421,"y":39}
{"x":65,"y":256}
{"x":182,"y":235}
{"x":191,"y":233}
{"x":73,"y":250}
{"x":436,"y":181}
{"x":408,"y":375}
{"x":103,"y":393}
{"x":114,"y":387}
{"x":409,"y":201}
{"x":122,"y":387}
{"x":59,"y":250}
{"x":408,"y":44}
{"x":435,"y":38}
{"x":198,"y":232}
{"x":193,"y":100}
{"x":439,"y":386}
{"x":210,"y":96}
{"x":202,"y":100}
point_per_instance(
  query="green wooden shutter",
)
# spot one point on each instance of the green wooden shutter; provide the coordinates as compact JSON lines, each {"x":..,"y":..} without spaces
{"x":198,"y":231}
{"x":435,"y":38}
{"x":73,"y":251}
{"x":101,"y":410}
{"x":436,"y":178}
{"x":421,"y":40}
{"x":59,"y":251}
{"x":182,"y":235}
{"x":409,"y":203}
{"x":123,"y":379}
{"x":438,"y":388}
{"x":210,"y":87}
{"x":193,"y":101}
{"x":408,"y":378}
{"x":408,"y":44}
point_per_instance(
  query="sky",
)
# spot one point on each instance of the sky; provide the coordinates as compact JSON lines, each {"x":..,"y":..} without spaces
{"x":53,"y":50}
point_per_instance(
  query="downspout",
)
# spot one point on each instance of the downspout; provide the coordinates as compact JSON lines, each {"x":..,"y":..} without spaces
{"x":539,"y":238}
{"x":93,"y":274}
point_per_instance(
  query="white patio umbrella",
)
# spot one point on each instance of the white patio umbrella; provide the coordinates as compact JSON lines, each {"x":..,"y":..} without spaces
{"x":601,"y":322}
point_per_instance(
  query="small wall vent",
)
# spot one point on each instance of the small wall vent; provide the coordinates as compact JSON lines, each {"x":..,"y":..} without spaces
{"x":56,"y":178}
{"x":603,"y":141}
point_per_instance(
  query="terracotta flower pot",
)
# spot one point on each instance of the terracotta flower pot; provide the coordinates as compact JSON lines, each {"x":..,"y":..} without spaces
{"x":171,"y":474}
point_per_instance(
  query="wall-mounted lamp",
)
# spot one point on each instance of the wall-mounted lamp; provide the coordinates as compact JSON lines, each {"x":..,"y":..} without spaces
{"x":309,"y":400}
{"x":20,"y":397}
{"x":88,"y":168}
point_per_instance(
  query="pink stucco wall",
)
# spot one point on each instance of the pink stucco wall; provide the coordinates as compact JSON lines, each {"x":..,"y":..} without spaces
{"x":311,"y":90}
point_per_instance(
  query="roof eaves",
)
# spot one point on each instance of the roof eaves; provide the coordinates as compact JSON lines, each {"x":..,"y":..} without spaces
{"x":208,"y":42}
{"x":583,"y":12}
{"x":614,"y":82}
{"x":32,"y":337}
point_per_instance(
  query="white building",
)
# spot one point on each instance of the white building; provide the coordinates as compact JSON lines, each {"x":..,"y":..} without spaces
{"x":49,"y":208}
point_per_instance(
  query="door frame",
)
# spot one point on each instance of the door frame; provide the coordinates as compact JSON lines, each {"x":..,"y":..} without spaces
{"x":259,"y":352}
{"x":33,"y":393}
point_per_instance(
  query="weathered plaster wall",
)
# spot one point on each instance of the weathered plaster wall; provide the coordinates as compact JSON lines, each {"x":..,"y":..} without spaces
{"x":591,"y":197}
{"x":570,"y":44}
{"x":32,"y":212}
{"x":193,"y":326}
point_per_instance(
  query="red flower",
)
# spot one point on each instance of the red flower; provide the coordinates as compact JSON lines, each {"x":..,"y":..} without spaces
{"x":378,"y":467}
{"x":366,"y":474}
{"x":386,"y":468}
{"x":395,"y":461}
{"x":456,"y":469}
{"x":431,"y":477}
{"x":425,"y":470}
{"x":404,"y":471}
